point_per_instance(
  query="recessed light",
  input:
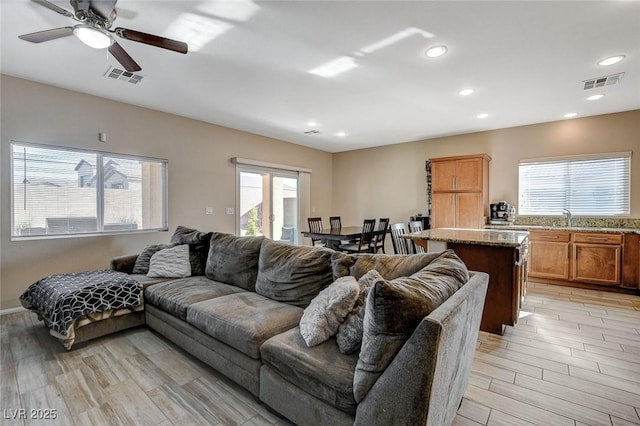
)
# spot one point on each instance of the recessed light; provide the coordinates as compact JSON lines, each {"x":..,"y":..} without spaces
{"x":312,"y":123}
{"x":466,"y":92}
{"x":436,"y":51}
{"x":482,"y":116}
{"x":341,"y":134}
{"x":611,"y":60}
{"x":595,"y":97}
{"x":570,"y":114}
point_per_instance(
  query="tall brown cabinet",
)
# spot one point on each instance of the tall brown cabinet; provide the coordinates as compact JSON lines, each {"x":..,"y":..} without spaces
{"x":460,"y":191}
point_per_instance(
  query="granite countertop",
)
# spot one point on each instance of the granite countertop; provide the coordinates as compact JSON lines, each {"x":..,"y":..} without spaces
{"x":487,"y":237}
{"x":562,"y":228}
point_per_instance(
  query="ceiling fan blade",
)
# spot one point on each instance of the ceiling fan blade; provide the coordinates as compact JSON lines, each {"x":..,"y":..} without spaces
{"x":153,"y":40}
{"x":47,"y":35}
{"x":123,"y":57}
{"x":103,"y":8}
{"x":54,"y":7}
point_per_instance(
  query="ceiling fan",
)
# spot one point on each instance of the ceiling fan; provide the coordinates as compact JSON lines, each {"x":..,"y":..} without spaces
{"x":94,"y":30}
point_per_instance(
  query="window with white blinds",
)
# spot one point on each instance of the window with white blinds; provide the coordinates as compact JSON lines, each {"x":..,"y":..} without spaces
{"x":587,"y":185}
{"x":60,"y":191}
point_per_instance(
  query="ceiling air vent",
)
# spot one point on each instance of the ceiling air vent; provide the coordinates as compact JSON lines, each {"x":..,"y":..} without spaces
{"x":122,"y":75}
{"x":603,"y":81}
{"x":312,"y":132}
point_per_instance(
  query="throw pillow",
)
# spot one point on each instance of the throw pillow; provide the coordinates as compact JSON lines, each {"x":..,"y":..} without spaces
{"x":293,"y":274}
{"x":170,"y":263}
{"x":142,"y":262}
{"x":390,"y":266}
{"x":327,"y":310}
{"x":234,"y":260}
{"x":395,"y":308}
{"x":349,"y":336}
{"x":198,"y":246}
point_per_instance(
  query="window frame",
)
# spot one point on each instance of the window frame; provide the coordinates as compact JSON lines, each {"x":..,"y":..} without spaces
{"x":99,"y":191}
{"x":566,"y":161}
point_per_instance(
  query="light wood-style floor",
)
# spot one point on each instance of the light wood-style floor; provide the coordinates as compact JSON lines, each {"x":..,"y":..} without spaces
{"x":572,"y":359}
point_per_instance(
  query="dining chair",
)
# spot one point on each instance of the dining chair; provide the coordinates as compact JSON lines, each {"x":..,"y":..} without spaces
{"x":365,"y":243}
{"x":315,"y":225}
{"x":335,"y":222}
{"x":400,"y":245}
{"x":416,"y":226}
{"x":381,"y":234}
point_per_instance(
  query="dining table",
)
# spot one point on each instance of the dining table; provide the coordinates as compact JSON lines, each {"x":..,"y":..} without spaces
{"x":332,"y":237}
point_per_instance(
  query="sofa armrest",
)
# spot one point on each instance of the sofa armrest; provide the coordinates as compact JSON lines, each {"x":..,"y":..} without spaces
{"x":123,"y":263}
{"x":425,"y":382}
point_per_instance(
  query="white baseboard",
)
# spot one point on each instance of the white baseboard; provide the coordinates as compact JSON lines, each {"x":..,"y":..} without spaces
{"x":11,"y":310}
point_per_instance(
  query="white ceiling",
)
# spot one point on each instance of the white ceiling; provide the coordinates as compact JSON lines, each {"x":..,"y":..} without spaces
{"x":526,"y":61}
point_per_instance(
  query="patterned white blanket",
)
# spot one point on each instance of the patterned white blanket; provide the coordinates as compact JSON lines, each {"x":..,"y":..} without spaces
{"x":61,"y":299}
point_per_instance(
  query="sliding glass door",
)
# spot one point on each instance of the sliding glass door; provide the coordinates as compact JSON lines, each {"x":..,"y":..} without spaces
{"x":268,"y":203}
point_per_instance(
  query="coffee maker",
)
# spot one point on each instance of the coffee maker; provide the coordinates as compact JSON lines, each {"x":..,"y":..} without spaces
{"x":502,"y":213}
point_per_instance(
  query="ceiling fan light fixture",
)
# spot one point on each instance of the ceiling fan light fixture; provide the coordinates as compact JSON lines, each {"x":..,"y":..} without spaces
{"x":93,"y":37}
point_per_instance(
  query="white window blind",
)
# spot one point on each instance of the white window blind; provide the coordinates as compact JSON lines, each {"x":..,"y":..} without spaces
{"x":60,"y":191}
{"x":586,"y":185}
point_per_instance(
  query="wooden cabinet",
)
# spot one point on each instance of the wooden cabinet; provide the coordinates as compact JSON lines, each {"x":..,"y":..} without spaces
{"x":549,"y":254}
{"x":460,"y":191}
{"x":506,"y":281}
{"x":581,"y":257}
{"x":597,"y":258}
{"x":458,"y":174}
{"x":457,"y":210}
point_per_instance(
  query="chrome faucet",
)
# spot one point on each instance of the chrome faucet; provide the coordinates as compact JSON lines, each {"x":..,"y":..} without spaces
{"x":567,"y":213}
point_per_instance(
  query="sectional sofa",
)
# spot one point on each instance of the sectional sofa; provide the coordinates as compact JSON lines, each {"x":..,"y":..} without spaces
{"x":250,"y":303}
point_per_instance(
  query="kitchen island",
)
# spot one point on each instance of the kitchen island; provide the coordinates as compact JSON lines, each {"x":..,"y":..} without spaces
{"x":500,"y":253}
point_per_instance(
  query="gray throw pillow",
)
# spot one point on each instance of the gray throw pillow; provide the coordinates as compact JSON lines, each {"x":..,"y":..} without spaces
{"x":321,"y":319}
{"x":198,"y":242}
{"x":395,"y":308}
{"x":142,"y":262}
{"x":293,"y":274}
{"x":390,"y":266}
{"x":234,"y":260}
{"x":170,"y":263}
{"x":349,"y":336}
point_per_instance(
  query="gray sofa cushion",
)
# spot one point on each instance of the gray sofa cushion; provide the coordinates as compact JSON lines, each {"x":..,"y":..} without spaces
{"x":394,"y":309}
{"x":328,"y":310}
{"x":321,"y":371}
{"x":390,"y":266}
{"x":234,"y":260}
{"x":349,"y":336}
{"x":141,"y":265}
{"x":198,"y":242}
{"x":293,"y":274}
{"x":147,"y":281}
{"x":175,"y":296}
{"x":243,"y":321}
{"x":170,"y":263}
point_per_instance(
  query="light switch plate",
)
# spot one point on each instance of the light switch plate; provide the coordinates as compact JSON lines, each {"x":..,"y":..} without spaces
{"x":208,"y":210}
{"x":230,"y":210}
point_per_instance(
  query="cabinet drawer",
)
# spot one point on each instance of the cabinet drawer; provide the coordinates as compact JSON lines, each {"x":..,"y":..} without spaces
{"x":556,"y":236}
{"x":596,"y":238}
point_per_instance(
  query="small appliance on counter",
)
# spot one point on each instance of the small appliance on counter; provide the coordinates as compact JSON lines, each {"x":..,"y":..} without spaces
{"x":502,"y":213}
